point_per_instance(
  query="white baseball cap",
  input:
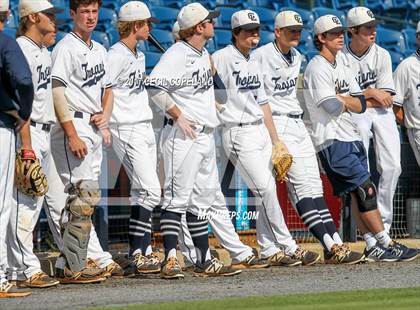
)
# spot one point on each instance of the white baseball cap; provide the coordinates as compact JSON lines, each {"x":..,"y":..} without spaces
{"x":4,"y":5}
{"x":27,"y":7}
{"x":246,"y":19}
{"x":288,"y":19}
{"x":193,"y":14}
{"x":359,"y":16}
{"x":418,"y":27}
{"x":328,"y":23}
{"x":134,"y":11}
{"x":175,"y":30}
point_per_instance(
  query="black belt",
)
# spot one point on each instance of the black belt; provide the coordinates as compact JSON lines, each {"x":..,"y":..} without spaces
{"x":44,"y":127}
{"x":258,"y":122}
{"x":204,"y":130}
{"x":78,"y":114}
{"x":288,"y":115}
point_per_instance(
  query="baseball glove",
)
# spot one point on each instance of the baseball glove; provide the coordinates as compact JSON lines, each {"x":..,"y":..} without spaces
{"x":282,"y":160}
{"x":29,"y":177}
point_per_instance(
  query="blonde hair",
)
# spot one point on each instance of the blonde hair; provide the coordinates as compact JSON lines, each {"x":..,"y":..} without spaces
{"x":187,"y":33}
{"x":23,"y":26}
{"x":126,"y":28}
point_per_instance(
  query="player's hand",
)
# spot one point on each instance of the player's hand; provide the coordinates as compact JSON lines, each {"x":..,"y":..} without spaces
{"x":78,"y":147}
{"x":107,"y":137}
{"x":186,"y":126}
{"x":383,"y":97}
{"x":100,"y":121}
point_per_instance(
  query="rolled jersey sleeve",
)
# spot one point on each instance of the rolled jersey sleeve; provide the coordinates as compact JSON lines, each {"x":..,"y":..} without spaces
{"x":385,"y":80}
{"x":401,"y":82}
{"x":62,"y":64}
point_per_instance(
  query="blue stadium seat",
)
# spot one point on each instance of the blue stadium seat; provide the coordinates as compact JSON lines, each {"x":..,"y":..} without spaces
{"x":410,"y":38}
{"x":378,"y":5}
{"x":318,"y":12}
{"x":230,"y":3}
{"x":306,"y":41}
{"x":414,"y":4}
{"x":59,"y":36}
{"x":152,"y":59}
{"x":142,"y":46}
{"x":225,"y":16}
{"x":113,"y":36}
{"x":222,"y":38}
{"x":409,"y":53}
{"x":164,"y":37}
{"x":60,"y":3}
{"x":177,"y":4}
{"x":396,"y":58}
{"x":307,"y":16}
{"x":167,"y":17}
{"x":266,"y":37}
{"x":310,"y":54}
{"x":64,"y":21}
{"x":111,"y":4}
{"x":107,"y":19}
{"x":304,"y":63}
{"x":11,"y":32}
{"x":11,"y":21}
{"x":274,"y":5}
{"x":390,"y":39}
{"x":399,"y":4}
{"x":211,"y":46}
{"x":301,"y":4}
{"x":267,"y":17}
{"x":344,"y":4}
{"x":102,"y":38}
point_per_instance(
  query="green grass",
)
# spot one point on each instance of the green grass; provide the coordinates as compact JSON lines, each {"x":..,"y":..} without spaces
{"x":408,"y":298}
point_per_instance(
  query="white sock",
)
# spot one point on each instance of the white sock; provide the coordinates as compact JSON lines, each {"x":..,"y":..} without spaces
{"x":337,"y":239}
{"x":138,"y":251}
{"x":172,"y":253}
{"x":370,"y":240}
{"x":328,"y":241}
{"x":148,"y":250}
{"x":383,"y":238}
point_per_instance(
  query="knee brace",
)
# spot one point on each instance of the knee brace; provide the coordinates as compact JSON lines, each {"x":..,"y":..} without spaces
{"x":80,"y":206}
{"x":366,"y":197}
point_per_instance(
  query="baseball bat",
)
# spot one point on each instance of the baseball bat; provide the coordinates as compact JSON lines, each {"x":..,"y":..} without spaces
{"x":152,"y":40}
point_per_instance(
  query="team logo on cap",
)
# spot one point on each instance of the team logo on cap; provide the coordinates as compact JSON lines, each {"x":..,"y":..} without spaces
{"x":370,"y":14}
{"x":298,"y":18}
{"x":252,"y":16}
{"x":336,"y":20}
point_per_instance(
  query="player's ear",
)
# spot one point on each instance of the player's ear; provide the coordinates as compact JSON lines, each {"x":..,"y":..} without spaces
{"x":33,"y":18}
{"x":277,"y":32}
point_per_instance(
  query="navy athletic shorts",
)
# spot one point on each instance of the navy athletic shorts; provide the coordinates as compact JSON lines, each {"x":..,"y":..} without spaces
{"x":346,"y":165}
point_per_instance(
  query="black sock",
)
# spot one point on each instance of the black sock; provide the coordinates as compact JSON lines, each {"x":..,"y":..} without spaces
{"x":310,"y":216}
{"x":147,"y":239}
{"x":199,"y":234}
{"x":139,"y":225}
{"x":325,"y":216}
{"x":170,"y":223}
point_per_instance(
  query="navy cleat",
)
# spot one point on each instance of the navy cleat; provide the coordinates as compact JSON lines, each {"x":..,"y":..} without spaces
{"x":403,"y":252}
{"x":378,"y":253}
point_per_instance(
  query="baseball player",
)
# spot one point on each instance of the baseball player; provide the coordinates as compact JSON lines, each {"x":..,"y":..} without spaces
{"x":83,"y":103}
{"x":36,"y":20}
{"x":248,"y":134}
{"x":17,"y":94}
{"x":132,"y":132}
{"x":241,"y":255}
{"x":182,"y":85}
{"x":372,"y":67}
{"x":407,"y":97}
{"x":280,"y":62}
{"x":331,"y":94}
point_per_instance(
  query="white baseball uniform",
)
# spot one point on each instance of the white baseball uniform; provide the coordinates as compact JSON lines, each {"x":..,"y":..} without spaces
{"x":27,"y":208}
{"x":280,"y":81}
{"x":247,"y":142}
{"x":82,"y":69}
{"x":374,"y":70}
{"x":323,"y":81}
{"x":407,"y":89}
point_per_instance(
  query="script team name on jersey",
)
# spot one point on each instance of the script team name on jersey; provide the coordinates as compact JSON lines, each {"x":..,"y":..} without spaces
{"x":134,"y":81}
{"x":341,"y":86}
{"x":92,"y":75}
{"x":44,"y":76}
{"x":286,"y":86}
{"x":202,"y":80}
{"x":249,"y":82}
{"x":366,"y":79}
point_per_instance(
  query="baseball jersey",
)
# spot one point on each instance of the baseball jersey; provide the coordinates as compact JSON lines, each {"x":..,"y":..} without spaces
{"x":39,"y":61}
{"x":127,"y":71}
{"x":244,"y":86}
{"x":323,"y":81}
{"x":82,"y":69}
{"x":372,"y":70}
{"x":407,"y":88}
{"x":185,"y":73}
{"x":280,"y":77}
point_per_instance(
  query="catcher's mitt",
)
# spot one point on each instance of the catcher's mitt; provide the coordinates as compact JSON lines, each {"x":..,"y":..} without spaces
{"x":282,"y":160}
{"x":29,"y":178}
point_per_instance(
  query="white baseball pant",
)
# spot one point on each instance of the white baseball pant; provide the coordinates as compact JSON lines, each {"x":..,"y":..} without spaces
{"x":249,"y":147}
{"x":304,"y":178}
{"x":7,"y":169}
{"x":387,"y":144}
{"x":414,"y":138}
{"x":71,"y":169}
{"x":24,"y":263}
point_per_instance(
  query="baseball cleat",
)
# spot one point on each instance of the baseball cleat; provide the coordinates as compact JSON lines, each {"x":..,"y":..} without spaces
{"x":147,"y":264}
{"x":403,"y":252}
{"x":214,"y":268}
{"x":38,"y":280}
{"x":251,"y":262}
{"x":380,"y":254}
{"x":341,"y":254}
{"x":86,"y":275}
{"x":307,"y":258}
{"x":282,"y":259}
{"x":171,"y":269}
{"x":8,"y":290}
{"x":113,"y":270}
